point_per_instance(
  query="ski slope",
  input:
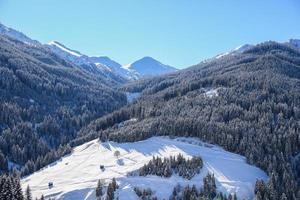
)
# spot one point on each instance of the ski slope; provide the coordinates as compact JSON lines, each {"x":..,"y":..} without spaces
{"x":75,"y":176}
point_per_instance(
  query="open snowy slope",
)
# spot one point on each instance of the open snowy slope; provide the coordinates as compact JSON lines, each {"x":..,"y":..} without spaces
{"x":75,"y":176}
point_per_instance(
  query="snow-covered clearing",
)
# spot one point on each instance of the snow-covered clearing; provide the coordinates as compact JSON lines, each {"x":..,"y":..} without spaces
{"x":211,"y":93}
{"x":75,"y":176}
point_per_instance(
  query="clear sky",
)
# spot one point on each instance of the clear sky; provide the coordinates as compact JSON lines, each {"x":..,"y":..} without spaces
{"x":176,"y":32}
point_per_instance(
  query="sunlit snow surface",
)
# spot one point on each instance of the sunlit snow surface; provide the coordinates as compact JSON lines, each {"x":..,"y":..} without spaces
{"x":75,"y":176}
{"x":54,"y":43}
{"x":211,"y":93}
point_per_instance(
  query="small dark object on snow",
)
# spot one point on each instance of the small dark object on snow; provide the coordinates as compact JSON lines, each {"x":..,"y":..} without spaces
{"x":50,"y":185}
{"x":102,"y":167}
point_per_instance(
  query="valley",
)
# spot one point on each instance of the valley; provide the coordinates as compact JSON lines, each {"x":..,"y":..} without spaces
{"x":80,"y":127}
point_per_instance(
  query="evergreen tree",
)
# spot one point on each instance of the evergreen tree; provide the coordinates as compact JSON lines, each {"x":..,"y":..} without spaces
{"x":6,"y":187}
{"x":111,"y":189}
{"x":28,"y":195}
{"x":3,"y":162}
{"x":10,"y":188}
{"x":18,"y":193}
{"x":99,"y":189}
{"x":114,"y":184}
{"x":209,"y":186}
{"x":110,"y":192}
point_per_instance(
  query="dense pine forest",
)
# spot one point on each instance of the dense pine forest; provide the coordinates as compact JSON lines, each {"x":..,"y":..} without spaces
{"x":254,"y":112}
{"x":186,"y":168}
{"x":44,"y":101}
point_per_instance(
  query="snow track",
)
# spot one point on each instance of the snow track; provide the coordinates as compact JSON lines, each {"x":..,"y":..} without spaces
{"x":75,"y":176}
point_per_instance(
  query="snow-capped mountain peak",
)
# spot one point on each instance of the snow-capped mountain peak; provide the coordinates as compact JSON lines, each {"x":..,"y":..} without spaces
{"x":148,"y":60}
{"x":148,"y":66}
{"x":82,"y":61}
{"x":93,"y":64}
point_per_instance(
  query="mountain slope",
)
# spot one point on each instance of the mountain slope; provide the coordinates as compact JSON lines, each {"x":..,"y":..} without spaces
{"x":235,"y":51}
{"x":86,"y":63}
{"x":44,"y":101}
{"x":81,"y":170}
{"x":114,"y":66}
{"x":17,"y":35}
{"x":82,"y":61}
{"x":247,"y":103}
{"x":148,"y":66}
{"x":294,"y":43}
{"x":97,"y":65}
{"x":144,"y":67}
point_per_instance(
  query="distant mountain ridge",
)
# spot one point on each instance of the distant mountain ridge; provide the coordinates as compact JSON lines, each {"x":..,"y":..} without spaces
{"x":94,"y":64}
{"x":4,"y":30}
{"x":295,"y":43}
{"x":143,"y":67}
{"x":103,"y":65}
{"x":83,"y":61}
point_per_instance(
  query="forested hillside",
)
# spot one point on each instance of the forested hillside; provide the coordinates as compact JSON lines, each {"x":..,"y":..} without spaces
{"x":44,"y":101}
{"x":248,"y":103}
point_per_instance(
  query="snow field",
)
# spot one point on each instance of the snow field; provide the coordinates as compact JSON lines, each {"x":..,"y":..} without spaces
{"x":75,"y":176}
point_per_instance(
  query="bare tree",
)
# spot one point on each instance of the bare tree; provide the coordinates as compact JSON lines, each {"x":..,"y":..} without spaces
{"x":117,"y":154}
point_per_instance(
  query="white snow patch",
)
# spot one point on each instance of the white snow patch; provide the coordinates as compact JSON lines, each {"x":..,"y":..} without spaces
{"x":75,"y":176}
{"x":127,"y":67}
{"x":238,"y":50}
{"x":211,"y":93}
{"x":31,"y":101}
{"x":103,"y":66}
{"x":64,"y":49}
{"x":222,"y":55}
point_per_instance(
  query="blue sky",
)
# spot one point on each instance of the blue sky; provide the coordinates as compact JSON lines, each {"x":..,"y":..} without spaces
{"x":176,"y":32}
